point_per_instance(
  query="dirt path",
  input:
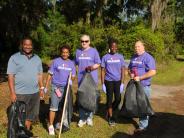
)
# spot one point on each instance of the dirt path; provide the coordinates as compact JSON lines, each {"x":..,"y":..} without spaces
{"x":159,"y":91}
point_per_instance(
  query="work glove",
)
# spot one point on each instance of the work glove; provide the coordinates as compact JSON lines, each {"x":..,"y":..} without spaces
{"x":70,"y":82}
{"x":121,"y":88}
{"x":103,"y":88}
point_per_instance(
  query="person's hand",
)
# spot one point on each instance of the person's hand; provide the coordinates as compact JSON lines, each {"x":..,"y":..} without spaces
{"x":45,"y":90}
{"x":13,"y":97}
{"x":89,"y":69}
{"x":42,"y":93}
{"x":103,"y":88}
{"x":132,"y":76}
{"x":137,"y":78}
{"x":70,"y":82}
{"x":121,"y":87}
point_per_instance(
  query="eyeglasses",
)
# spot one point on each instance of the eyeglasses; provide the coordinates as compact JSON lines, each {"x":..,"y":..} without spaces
{"x":84,"y":41}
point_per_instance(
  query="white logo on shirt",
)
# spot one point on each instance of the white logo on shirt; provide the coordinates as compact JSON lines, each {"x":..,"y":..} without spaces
{"x":137,"y":62}
{"x":113,"y":60}
{"x":85,"y":58}
{"x":64,"y":67}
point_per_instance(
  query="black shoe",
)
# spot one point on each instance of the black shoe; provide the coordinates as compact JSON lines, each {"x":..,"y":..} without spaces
{"x":139,"y":130}
{"x":65,"y":129}
{"x":111,"y":121}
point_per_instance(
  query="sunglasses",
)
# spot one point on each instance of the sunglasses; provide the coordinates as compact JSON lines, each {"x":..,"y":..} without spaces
{"x":84,"y":41}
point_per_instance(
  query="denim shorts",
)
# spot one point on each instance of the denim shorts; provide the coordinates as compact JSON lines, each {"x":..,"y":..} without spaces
{"x":55,"y":100}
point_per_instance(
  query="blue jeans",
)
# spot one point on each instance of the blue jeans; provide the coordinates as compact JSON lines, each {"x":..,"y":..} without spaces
{"x":143,"y":121}
{"x":55,"y":100}
{"x":84,"y":114}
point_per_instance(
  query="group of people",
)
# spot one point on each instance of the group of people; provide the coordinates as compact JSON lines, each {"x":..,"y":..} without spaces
{"x":26,"y":81}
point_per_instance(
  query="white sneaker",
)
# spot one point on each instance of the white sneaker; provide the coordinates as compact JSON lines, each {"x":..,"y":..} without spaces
{"x":81,"y":123}
{"x":51,"y":130}
{"x":89,"y":122}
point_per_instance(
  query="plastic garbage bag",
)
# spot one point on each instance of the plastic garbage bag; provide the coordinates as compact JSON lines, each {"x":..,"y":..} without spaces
{"x":16,"y":120}
{"x":88,"y":95}
{"x":68,"y":110}
{"x":136,"y":103}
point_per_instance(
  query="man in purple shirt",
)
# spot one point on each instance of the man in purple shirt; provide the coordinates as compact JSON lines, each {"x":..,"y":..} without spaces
{"x":142,"y":68}
{"x":87,"y":59}
{"x":58,"y":74}
{"x":112,"y":77}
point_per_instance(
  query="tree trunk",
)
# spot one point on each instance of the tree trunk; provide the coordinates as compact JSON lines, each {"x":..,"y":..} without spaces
{"x":157,"y":8}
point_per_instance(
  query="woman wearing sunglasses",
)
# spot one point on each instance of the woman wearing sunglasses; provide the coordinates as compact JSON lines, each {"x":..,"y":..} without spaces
{"x":87,"y":59}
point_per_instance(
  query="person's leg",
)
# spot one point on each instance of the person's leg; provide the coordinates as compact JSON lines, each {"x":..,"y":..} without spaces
{"x":109,"y":88}
{"x":32,"y":102}
{"x":28,"y":124}
{"x":82,"y":117}
{"x":89,"y":118}
{"x":51,"y":117}
{"x":53,"y":109}
{"x":117,"y":95}
{"x":143,"y":121}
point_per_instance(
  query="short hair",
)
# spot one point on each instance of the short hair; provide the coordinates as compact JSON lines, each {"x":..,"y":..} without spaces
{"x":140,"y":41}
{"x":111,"y":41}
{"x":85,"y":35}
{"x":26,"y":38}
{"x":65,"y":47}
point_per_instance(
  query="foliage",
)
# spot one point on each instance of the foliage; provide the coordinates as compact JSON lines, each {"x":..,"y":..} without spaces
{"x":53,"y":32}
{"x":54,"y":23}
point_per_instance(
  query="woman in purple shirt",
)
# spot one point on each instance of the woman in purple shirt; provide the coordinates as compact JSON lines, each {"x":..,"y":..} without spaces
{"x":58,"y":74}
{"x":87,"y":59}
{"x":142,"y":68}
{"x":112,"y":77}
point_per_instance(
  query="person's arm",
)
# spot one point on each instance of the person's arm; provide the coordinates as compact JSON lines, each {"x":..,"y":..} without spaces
{"x":102,"y":75}
{"x":149,"y":74}
{"x":40,"y":80}
{"x":40,"y":83}
{"x":122,"y":75}
{"x":97,"y":61}
{"x":49,"y":76}
{"x":11,"y":83}
{"x":95,"y":66}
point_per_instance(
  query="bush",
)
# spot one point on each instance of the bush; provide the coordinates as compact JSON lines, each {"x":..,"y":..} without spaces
{"x":53,"y":32}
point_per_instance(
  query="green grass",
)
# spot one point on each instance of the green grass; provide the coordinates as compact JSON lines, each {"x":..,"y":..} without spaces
{"x":170,"y":74}
{"x":101,"y":129}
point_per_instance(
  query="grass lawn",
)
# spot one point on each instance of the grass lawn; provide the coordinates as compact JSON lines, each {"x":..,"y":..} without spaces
{"x":170,"y":74}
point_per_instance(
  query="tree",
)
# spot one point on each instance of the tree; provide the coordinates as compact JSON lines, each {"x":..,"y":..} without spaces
{"x":157,"y":8}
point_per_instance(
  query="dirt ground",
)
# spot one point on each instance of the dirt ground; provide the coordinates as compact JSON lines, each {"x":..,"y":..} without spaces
{"x":167,"y":102}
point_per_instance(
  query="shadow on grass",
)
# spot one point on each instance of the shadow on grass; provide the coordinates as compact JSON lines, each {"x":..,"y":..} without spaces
{"x":163,"y":125}
{"x":102,"y":110}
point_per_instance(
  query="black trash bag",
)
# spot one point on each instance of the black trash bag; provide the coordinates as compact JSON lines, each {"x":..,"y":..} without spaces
{"x":136,"y":103}
{"x":16,"y":120}
{"x":88,"y":95}
{"x":68,"y":110}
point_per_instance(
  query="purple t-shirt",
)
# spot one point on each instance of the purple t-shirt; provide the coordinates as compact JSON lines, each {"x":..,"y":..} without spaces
{"x":60,"y":70}
{"x":113,"y":65}
{"x":84,"y":58}
{"x":142,"y":64}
